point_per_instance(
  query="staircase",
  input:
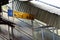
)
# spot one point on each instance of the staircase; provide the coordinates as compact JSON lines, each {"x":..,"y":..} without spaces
{"x":23,"y":31}
{"x":18,"y":35}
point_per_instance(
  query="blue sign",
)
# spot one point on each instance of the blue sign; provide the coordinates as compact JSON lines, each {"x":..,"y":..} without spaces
{"x":10,"y":12}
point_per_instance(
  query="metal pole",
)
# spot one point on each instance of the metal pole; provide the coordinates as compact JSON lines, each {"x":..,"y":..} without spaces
{"x":32,"y":29}
{"x":13,"y":21}
{"x":8,"y":32}
{"x":0,"y":29}
{"x":42,"y":30}
{"x":53,"y":34}
{"x":57,"y":31}
{"x":12,"y":33}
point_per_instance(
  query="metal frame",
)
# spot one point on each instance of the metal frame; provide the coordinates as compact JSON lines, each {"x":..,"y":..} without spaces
{"x":6,"y":22}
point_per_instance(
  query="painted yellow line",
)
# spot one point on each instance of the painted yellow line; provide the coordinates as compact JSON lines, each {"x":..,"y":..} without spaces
{"x":23,"y":15}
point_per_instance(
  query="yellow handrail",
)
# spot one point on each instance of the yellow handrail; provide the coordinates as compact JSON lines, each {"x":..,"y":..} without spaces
{"x":23,"y":15}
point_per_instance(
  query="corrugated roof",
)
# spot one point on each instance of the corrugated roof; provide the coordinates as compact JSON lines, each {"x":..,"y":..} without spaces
{"x":51,"y":7}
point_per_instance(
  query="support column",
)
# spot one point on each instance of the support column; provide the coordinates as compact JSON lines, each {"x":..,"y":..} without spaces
{"x":12,"y":33}
{"x":42,"y":30}
{"x":53,"y":34}
{"x":32,"y":29}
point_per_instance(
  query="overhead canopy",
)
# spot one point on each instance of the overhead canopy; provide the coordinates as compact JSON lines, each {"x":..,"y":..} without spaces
{"x":52,"y":6}
{"x":50,"y":12}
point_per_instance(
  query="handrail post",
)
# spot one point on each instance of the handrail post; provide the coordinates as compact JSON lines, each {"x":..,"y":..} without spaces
{"x":42,"y":30}
{"x":32,"y":29}
{"x":12,"y":33}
